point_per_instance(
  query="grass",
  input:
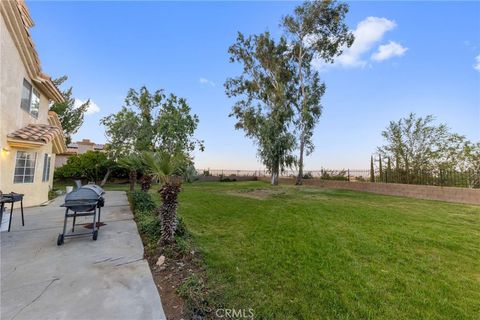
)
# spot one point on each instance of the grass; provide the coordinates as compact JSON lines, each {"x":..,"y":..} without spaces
{"x":305,"y":253}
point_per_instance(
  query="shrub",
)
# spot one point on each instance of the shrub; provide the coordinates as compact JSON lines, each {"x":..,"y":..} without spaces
{"x":307,"y":175}
{"x":142,"y":201}
{"x":334,"y":175}
{"x":227,"y":179}
{"x":146,"y":217}
{"x":91,"y":165}
{"x":189,"y":174}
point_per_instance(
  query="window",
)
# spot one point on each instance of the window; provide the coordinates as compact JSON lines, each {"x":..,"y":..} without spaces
{"x":24,"y":167}
{"x":46,"y":167}
{"x":35,"y":103}
{"x":30,"y":99}
{"x":26,"y":92}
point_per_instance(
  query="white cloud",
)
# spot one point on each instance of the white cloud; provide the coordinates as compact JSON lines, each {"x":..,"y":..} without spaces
{"x":367,"y":34}
{"x":476,"y":66}
{"x":207,"y":82}
{"x":92,"y":107}
{"x":389,"y":50}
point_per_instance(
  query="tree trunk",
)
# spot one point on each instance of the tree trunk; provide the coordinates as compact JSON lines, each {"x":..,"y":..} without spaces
{"x":302,"y":134}
{"x":299,"y":181}
{"x":133,"y":179}
{"x":105,"y":178}
{"x":275,"y":172}
{"x":168,"y":212}
{"x":146,"y":182}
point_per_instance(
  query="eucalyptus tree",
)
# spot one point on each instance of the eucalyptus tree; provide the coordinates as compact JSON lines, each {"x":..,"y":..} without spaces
{"x":265,"y":89}
{"x":316,"y":30}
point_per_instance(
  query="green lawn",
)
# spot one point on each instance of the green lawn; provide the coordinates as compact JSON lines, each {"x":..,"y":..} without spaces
{"x":305,"y":253}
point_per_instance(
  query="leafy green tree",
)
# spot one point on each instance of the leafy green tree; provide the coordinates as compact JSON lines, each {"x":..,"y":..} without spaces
{"x":264,"y":89}
{"x":164,"y":166}
{"x":152,"y":122}
{"x":120,"y":131}
{"x":415,"y":143}
{"x":422,"y":148}
{"x":317,"y":29}
{"x":91,"y":165}
{"x":70,"y":117}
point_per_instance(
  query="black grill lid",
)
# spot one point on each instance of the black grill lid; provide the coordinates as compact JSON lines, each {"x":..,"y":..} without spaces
{"x":85,"y":193}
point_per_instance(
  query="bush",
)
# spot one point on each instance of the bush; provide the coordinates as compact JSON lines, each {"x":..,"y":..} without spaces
{"x":149,"y":226}
{"x":307,"y":175}
{"x":146,"y":217}
{"x":189,"y":174}
{"x":334,"y":175}
{"x":142,"y":201}
{"x":91,"y":165}
{"x":227,"y":179}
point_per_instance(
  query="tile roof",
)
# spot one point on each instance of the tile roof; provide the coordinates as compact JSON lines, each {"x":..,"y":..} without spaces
{"x":37,"y":133}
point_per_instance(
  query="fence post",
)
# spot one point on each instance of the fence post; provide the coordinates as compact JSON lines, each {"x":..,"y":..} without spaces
{"x":348,"y":175}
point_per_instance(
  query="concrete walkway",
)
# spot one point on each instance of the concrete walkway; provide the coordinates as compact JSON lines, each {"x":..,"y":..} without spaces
{"x":83,"y":279}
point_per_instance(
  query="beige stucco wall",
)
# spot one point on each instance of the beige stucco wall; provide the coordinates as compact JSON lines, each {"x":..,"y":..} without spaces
{"x":60,"y":160}
{"x":450,"y":194}
{"x":12,"y":117}
{"x":84,"y":147}
{"x":35,"y":192}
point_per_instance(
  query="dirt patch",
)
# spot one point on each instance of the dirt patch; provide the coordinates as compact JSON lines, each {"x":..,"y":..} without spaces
{"x":169,"y":277}
{"x":258,"y":194}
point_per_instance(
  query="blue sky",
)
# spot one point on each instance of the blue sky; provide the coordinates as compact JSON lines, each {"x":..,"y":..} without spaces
{"x":409,"y":57}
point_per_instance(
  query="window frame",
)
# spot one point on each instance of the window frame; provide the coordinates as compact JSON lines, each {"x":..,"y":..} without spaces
{"x":34,"y":167}
{"x":35,"y":110}
{"x":32,"y":91}
{"x":47,"y":161}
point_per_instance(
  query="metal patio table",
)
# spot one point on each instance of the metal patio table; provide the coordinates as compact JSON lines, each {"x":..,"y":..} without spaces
{"x":11,"y":198}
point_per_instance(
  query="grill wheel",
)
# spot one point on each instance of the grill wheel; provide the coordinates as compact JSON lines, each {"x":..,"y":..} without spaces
{"x":60,"y":240}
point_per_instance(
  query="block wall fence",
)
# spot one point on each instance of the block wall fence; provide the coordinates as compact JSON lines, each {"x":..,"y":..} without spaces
{"x":449,"y":194}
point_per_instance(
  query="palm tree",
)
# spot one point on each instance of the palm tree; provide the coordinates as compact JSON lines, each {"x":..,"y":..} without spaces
{"x":163,"y":166}
{"x":133,"y":163}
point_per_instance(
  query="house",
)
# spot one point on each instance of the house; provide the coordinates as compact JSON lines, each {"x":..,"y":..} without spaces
{"x":79,"y":147}
{"x":30,"y":135}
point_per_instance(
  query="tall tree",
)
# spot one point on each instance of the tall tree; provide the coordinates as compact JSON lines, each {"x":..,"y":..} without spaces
{"x":316,"y":30}
{"x":152,"y":122}
{"x":416,"y":143}
{"x":389,"y":170}
{"x":70,"y":116}
{"x":372,"y":170}
{"x":265,"y":90}
{"x":380,"y":168}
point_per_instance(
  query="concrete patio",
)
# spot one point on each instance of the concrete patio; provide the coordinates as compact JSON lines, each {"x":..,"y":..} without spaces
{"x":83,"y":279}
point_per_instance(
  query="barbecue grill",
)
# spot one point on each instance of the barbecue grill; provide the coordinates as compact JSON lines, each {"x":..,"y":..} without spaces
{"x":82,"y":202}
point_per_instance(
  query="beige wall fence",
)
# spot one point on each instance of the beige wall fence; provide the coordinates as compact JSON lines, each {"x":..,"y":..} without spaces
{"x":461,"y":187}
{"x":449,"y":194}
